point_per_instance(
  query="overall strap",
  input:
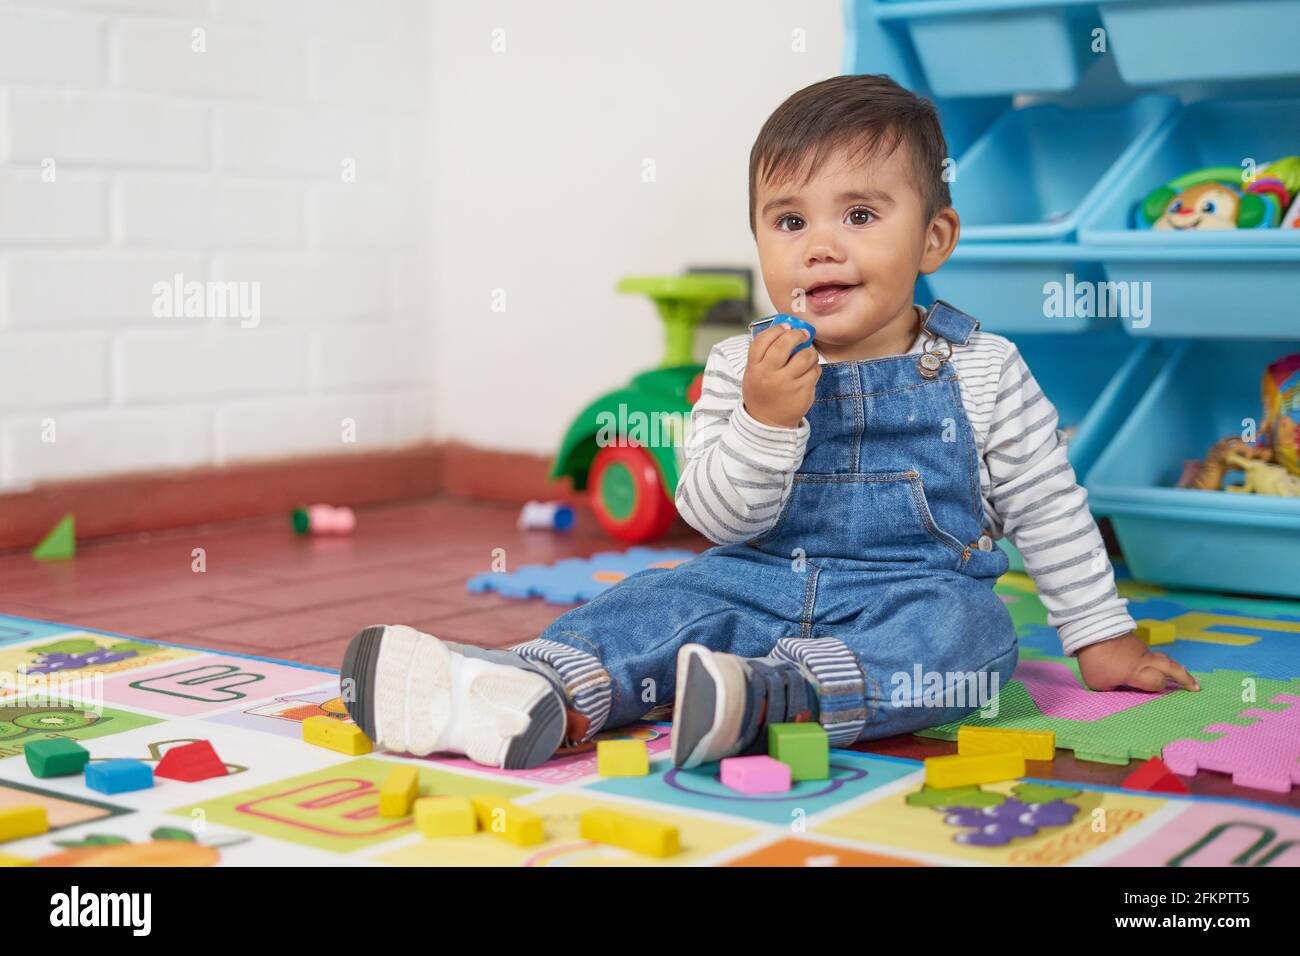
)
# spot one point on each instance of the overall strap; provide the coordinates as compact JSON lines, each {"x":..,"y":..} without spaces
{"x":952,"y":324}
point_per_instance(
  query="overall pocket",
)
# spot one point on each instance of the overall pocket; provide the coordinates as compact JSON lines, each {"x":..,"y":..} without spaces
{"x":882,"y":515}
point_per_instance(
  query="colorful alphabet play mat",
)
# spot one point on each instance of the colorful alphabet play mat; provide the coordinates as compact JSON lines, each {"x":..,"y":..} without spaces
{"x":286,"y":802}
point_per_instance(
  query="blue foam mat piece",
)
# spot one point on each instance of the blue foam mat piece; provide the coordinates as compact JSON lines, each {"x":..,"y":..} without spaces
{"x":573,"y":579}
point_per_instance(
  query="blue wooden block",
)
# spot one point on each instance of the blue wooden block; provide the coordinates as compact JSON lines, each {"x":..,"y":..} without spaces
{"x":119,"y":776}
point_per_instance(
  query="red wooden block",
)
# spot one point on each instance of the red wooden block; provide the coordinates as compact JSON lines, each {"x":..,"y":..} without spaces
{"x":1154,"y":777}
{"x":191,"y":763}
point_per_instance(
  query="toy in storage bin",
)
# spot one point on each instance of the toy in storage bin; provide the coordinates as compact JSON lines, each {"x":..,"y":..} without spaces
{"x":1197,"y":277}
{"x":1182,"y":537}
{"x":1022,"y":189}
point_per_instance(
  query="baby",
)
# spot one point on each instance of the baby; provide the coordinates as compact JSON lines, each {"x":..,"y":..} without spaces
{"x":855,"y":488}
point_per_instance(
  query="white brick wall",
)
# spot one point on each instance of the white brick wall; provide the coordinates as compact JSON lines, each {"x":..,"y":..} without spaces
{"x":291,"y":152}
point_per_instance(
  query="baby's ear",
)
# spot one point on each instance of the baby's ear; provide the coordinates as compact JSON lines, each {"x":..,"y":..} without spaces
{"x":940,"y":239}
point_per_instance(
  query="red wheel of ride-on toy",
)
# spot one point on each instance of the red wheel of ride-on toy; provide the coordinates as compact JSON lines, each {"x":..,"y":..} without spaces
{"x":695,"y":389}
{"x":628,"y":494}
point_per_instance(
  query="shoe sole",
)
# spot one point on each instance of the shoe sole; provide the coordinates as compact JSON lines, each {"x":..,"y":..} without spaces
{"x":704,"y":715}
{"x":502,"y":716}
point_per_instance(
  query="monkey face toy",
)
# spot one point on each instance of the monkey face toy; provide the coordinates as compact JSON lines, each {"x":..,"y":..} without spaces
{"x":1215,"y":198}
{"x":1207,"y":206}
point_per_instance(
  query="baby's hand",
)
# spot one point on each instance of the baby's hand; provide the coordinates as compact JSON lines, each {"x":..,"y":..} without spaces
{"x":1126,"y":661}
{"x":779,"y":387}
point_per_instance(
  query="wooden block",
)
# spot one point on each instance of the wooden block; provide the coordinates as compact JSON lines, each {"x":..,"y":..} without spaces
{"x":944,"y":773}
{"x":445,"y":816}
{"x":1154,"y":633}
{"x":803,"y":747}
{"x":56,"y":757}
{"x":119,"y":776}
{"x":23,"y":821}
{"x":756,"y":774}
{"x":622,"y":758}
{"x":628,"y":832}
{"x":7,"y":859}
{"x":499,"y":816}
{"x":1031,"y":744}
{"x":399,"y":792}
{"x":191,"y":763}
{"x":343,"y":736}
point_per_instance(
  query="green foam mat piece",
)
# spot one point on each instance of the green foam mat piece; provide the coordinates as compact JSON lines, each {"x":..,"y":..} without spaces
{"x":1140,"y":732}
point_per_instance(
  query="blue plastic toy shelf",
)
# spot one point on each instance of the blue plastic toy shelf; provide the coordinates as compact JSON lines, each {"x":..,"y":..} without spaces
{"x":1062,"y":116}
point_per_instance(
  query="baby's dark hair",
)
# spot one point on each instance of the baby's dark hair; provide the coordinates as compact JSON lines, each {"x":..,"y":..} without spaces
{"x":867,"y":114}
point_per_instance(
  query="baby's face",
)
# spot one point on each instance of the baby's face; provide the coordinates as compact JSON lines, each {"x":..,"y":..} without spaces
{"x":843,"y":252}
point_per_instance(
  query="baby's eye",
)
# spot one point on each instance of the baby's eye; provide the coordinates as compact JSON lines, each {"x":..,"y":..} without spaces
{"x":860,"y":216}
{"x":1208,"y":206}
{"x":795,"y":223}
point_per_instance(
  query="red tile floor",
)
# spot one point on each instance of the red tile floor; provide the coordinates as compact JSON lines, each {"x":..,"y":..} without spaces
{"x":266,"y":592}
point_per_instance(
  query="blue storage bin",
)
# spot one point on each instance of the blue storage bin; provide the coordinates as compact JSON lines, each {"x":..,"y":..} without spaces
{"x":1093,"y":380}
{"x":1002,"y":284}
{"x":1208,"y":133}
{"x":1157,"y":41}
{"x":1228,"y":283}
{"x":1032,"y":175}
{"x":1207,"y":293}
{"x":992,"y":47}
{"x":1182,"y":537}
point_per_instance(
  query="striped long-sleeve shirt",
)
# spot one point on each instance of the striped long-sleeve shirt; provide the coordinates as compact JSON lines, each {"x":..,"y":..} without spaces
{"x":739,"y":472}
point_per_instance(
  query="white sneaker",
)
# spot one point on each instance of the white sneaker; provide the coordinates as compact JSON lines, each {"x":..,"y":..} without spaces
{"x":412,"y":693}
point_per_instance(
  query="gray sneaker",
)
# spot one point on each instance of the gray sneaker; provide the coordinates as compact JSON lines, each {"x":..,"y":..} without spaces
{"x":724,"y":703}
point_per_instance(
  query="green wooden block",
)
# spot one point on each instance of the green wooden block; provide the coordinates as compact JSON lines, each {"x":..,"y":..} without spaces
{"x":804,"y":748}
{"x":56,"y":757}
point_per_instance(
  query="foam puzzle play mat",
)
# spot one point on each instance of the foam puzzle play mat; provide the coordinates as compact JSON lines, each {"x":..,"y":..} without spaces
{"x":199,"y":758}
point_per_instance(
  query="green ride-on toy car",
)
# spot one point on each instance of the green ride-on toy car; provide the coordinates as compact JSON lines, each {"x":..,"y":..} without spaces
{"x":627,"y":447}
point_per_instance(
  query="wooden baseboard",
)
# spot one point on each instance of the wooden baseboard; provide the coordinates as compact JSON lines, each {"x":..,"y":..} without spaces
{"x":486,"y":475}
{"x":128,"y":504}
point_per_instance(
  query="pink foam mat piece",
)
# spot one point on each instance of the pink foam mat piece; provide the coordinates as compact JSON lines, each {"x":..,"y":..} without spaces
{"x":1057,"y":693}
{"x":1264,"y":754}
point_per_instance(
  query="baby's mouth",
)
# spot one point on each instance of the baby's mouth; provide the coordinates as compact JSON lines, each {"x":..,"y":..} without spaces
{"x":829,"y":294}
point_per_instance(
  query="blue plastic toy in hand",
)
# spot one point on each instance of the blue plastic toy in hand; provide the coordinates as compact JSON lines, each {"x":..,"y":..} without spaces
{"x":759,"y":325}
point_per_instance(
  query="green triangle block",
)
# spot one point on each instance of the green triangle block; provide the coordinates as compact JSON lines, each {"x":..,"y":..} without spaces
{"x":60,"y":544}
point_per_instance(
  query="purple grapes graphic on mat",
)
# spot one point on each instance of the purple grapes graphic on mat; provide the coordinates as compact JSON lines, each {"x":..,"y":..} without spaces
{"x":999,"y":825}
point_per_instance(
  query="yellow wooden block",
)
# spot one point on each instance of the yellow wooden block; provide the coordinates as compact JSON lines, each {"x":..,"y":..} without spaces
{"x":445,"y":816}
{"x":1031,"y":744}
{"x":622,"y":758}
{"x":333,"y":734}
{"x":24,"y":821}
{"x":399,"y":792}
{"x":8,"y":860}
{"x":943,"y":773}
{"x":638,"y":834}
{"x":498,"y":815}
{"x":1155,"y":632}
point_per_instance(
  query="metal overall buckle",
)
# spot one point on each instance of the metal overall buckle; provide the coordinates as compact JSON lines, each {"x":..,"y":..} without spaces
{"x":931,"y":362}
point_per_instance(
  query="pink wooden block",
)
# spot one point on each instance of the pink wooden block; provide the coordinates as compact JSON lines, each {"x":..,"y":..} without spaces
{"x":757,"y":774}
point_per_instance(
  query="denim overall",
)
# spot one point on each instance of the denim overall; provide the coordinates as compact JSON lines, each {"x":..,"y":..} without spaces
{"x":877,"y":576}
